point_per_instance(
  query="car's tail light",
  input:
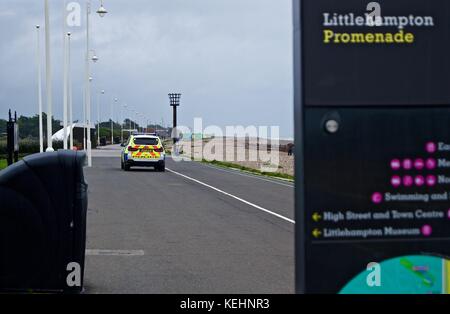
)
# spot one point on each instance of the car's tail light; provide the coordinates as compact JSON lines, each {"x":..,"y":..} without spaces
{"x":132,"y":149}
{"x":159,"y":150}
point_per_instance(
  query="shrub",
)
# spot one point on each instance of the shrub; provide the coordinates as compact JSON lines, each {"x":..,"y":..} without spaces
{"x":28,"y":146}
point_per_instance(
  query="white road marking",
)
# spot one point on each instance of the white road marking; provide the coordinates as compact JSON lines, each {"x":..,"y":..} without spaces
{"x":94,"y":252}
{"x":238,"y":172}
{"x":233,"y":196}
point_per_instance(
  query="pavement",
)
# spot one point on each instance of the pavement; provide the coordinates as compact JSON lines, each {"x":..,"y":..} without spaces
{"x":194,"y":229}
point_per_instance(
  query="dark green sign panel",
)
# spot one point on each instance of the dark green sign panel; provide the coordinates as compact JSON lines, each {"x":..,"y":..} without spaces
{"x":372,"y":98}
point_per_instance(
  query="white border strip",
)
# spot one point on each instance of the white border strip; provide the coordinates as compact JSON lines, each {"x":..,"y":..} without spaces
{"x":232,"y":196}
{"x":245,"y":174}
{"x":94,"y":252}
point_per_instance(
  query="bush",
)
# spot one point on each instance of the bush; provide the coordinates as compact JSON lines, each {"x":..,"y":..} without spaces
{"x":28,"y":146}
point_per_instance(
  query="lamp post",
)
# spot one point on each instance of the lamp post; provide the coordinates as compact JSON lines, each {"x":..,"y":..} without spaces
{"x":65,"y":78}
{"x":122,"y":120}
{"x":101,"y":12}
{"x":125,"y":106}
{"x":174,"y":103}
{"x":143,"y":127}
{"x":98,"y":115}
{"x":85,"y":117}
{"x":129,"y":120}
{"x":112,"y":120}
{"x":48,"y":79}
{"x":65,"y":91}
{"x":136,"y":124}
{"x":38,"y":56}
{"x":70,"y":91}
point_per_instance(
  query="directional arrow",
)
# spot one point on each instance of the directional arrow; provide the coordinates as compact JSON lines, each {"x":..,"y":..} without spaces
{"x":316,"y":217}
{"x":316,"y":233}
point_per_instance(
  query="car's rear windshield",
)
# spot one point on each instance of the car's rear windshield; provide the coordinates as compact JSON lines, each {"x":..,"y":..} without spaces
{"x":145,"y":141}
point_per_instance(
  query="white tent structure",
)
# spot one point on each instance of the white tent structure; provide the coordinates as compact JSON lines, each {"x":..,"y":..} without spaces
{"x":59,"y":136}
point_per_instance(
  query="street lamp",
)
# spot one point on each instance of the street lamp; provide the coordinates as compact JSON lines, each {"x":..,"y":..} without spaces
{"x":69,"y":89}
{"x":136,"y":125}
{"x":125,"y":106}
{"x":143,"y":122}
{"x":65,"y":76}
{"x":94,"y":57}
{"x":174,"y":103}
{"x":112,"y":120}
{"x":122,"y":120}
{"x":85,"y":117}
{"x":48,"y":79}
{"x":38,"y":56}
{"x":102,"y":92}
{"x":65,"y":89}
{"x":101,"y":12}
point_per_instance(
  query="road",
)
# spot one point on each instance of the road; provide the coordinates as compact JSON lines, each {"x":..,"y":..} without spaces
{"x":193,"y":229}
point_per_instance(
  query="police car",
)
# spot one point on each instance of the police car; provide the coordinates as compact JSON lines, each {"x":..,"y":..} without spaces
{"x":143,"y":151}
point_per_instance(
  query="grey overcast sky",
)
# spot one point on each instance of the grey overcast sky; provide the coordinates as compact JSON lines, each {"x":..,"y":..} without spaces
{"x":231,"y":59}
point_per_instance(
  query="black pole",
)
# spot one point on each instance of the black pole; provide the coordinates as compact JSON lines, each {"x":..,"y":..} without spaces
{"x":16,"y":138}
{"x":175,"y":122}
{"x":300,"y":206}
{"x":174,"y":102}
{"x":10,"y":139}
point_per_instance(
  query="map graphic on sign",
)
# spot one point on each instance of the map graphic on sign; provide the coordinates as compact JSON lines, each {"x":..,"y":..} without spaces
{"x":406,"y":275}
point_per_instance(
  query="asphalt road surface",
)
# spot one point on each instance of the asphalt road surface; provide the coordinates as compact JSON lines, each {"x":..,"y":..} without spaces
{"x":193,"y":229}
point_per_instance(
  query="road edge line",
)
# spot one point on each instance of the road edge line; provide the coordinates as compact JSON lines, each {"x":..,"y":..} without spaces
{"x":232,"y":196}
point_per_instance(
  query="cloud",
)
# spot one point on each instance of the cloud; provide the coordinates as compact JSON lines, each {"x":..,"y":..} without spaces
{"x":7,"y":13}
{"x":231,"y":59}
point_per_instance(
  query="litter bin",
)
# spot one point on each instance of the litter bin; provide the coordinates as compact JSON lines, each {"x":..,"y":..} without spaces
{"x":43,"y":207}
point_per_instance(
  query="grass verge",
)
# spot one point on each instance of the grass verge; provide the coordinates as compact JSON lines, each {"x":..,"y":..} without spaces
{"x":4,"y":161}
{"x":225,"y":164}
{"x":3,"y":164}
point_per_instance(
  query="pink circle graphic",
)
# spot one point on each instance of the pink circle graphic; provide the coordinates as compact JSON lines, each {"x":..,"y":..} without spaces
{"x":419,"y":180}
{"x":427,"y":230}
{"x":431,"y":163}
{"x":431,"y":180}
{"x":407,"y":164}
{"x":448,"y":214}
{"x":419,"y":164}
{"x":396,"y":164}
{"x":431,"y":147}
{"x":408,"y":181}
{"x":396,"y":181}
{"x":377,"y":198}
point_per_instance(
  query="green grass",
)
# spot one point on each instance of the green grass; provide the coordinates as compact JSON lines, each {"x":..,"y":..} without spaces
{"x":3,"y":164}
{"x":225,"y":164}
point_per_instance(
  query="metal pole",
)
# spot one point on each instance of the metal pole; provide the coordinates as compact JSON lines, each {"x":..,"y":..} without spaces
{"x":48,"y":79}
{"x":16,"y":138}
{"x":88,"y":89}
{"x":70,"y":93}
{"x":129,"y":120}
{"x":39,"y":70}
{"x":300,"y":227}
{"x":112,"y":121}
{"x":174,"y":122}
{"x":65,"y":95}
{"x":84,"y":119}
{"x":65,"y":78}
{"x":121,"y":124}
{"x":98,"y":119}
{"x":136,"y":125}
{"x":10,"y":139}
